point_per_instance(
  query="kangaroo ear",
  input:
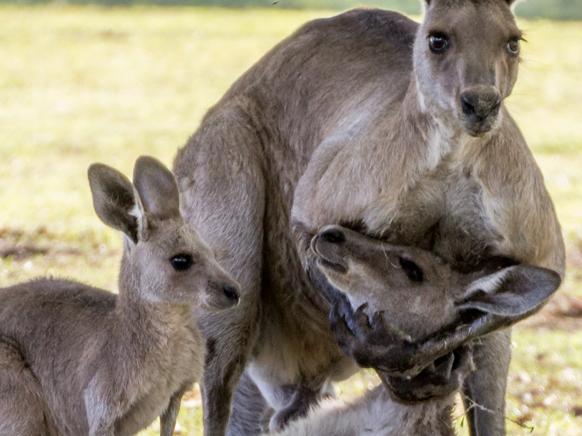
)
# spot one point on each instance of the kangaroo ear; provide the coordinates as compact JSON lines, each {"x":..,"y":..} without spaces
{"x":113,"y":199}
{"x":503,"y":298}
{"x":512,"y":293}
{"x":157,"y":189}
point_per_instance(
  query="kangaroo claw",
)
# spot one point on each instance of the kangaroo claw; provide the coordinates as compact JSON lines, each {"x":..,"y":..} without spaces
{"x":371,"y":343}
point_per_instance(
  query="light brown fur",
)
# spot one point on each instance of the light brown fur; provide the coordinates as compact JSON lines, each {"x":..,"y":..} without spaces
{"x":351,"y":120}
{"x":418,"y":296}
{"x":78,"y":360}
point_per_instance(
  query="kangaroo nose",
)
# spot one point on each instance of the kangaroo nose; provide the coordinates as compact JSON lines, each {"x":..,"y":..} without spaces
{"x":231,"y":293}
{"x":333,"y":235}
{"x":480,"y":103}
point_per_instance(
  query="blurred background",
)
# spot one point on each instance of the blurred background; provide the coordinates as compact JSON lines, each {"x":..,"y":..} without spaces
{"x":110,"y":80}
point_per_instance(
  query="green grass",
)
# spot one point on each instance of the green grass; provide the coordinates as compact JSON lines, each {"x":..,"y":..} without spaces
{"x":79,"y":85}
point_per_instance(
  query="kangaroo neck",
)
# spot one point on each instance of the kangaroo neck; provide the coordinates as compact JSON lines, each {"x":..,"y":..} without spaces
{"x":137,"y":316}
{"x":435,"y":129}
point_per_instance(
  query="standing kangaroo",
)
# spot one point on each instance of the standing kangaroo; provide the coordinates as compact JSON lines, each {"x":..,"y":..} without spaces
{"x":76,"y":360}
{"x":375,"y":122}
{"x":420,"y":297}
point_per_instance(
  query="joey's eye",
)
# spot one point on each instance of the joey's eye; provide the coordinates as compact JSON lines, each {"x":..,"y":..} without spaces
{"x":438,"y":42}
{"x":181,"y":262}
{"x":412,"y":270}
{"x":513,"y":47}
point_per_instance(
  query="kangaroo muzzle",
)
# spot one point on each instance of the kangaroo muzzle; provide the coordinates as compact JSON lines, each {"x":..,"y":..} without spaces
{"x":480,"y":109}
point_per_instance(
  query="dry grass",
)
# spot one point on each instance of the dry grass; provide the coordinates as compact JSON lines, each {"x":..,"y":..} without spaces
{"x":79,"y":85}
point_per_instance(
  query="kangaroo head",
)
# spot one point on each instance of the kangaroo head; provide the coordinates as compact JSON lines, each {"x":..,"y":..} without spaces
{"x":466,"y":59}
{"x":410,"y":285}
{"x":419,"y":293}
{"x":164,"y":259}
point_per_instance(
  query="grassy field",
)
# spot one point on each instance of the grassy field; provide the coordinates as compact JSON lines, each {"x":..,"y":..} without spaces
{"x":551,"y":9}
{"x":79,"y":85}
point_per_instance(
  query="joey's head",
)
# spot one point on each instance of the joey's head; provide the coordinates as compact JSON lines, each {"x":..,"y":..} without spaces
{"x":164,"y":258}
{"x":422,"y":297}
{"x":415,"y":289}
{"x":466,"y":58}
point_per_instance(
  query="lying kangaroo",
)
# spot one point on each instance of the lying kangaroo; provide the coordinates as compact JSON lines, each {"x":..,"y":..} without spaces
{"x":77,"y":360}
{"x":373,"y":121}
{"x":420,"y":297}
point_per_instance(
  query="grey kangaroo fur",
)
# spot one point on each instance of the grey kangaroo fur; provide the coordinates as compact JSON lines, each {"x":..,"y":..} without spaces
{"x":76,"y":360}
{"x":420,"y":296}
{"x":375,"y":122}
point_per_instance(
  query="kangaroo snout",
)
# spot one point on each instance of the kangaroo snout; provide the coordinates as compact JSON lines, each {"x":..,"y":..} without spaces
{"x":231,"y":293}
{"x":223,"y":293}
{"x":333,"y":235}
{"x":328,"y":246}
{"x":480,"y":106}
{"x":480,"y":103}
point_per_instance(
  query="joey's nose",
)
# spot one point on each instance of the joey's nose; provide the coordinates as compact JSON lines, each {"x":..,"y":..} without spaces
{"x":231,"y":293}
{"x":329,"y":246}
{"x":480,"y":103}
{"x":333,"y":235}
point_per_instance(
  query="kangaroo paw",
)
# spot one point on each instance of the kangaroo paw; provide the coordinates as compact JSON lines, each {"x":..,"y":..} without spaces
{"x":371,"y":343}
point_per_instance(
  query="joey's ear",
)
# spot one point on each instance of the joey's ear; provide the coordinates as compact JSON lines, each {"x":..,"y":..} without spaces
{"x":503,"y":298}
{"x":512,"y":293}
{"x":113,"y":199}
{"x":157,"y":189}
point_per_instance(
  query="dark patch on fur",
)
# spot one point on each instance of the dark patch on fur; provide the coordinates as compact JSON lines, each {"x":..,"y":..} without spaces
{"x":210,"y":350}
{"x":329,"y":292}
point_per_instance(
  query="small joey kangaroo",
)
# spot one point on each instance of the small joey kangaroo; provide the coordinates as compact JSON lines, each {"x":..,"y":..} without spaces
{"x":417,"y":297}
{"x":76,"y":360}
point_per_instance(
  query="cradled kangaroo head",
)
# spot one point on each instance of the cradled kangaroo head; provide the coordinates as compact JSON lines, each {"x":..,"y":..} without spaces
{"x":466,"y":59}
{"x":435,"y":307}
{"x":164,"y":258}
{"x":418,"y":291}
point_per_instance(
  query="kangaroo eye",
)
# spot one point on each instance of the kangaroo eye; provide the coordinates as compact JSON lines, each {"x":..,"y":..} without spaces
{"x":412,"y":270}
{"x":513,"y":47}
{"x":438,"y":42}
{"x":181,"y":262}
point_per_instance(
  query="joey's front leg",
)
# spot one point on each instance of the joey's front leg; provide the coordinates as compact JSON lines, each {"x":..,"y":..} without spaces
{"x":100,"y":426}
{"x":170,"y":415}
{"x":101,"y":416}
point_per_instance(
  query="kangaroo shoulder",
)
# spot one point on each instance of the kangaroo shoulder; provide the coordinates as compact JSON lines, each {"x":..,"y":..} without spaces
{"x":516,"y":198}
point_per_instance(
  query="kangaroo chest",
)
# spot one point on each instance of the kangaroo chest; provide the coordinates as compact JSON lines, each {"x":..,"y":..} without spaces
{"x":447,"y":212}
{"x":179,"y":366}
{"x":466,"y":232}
